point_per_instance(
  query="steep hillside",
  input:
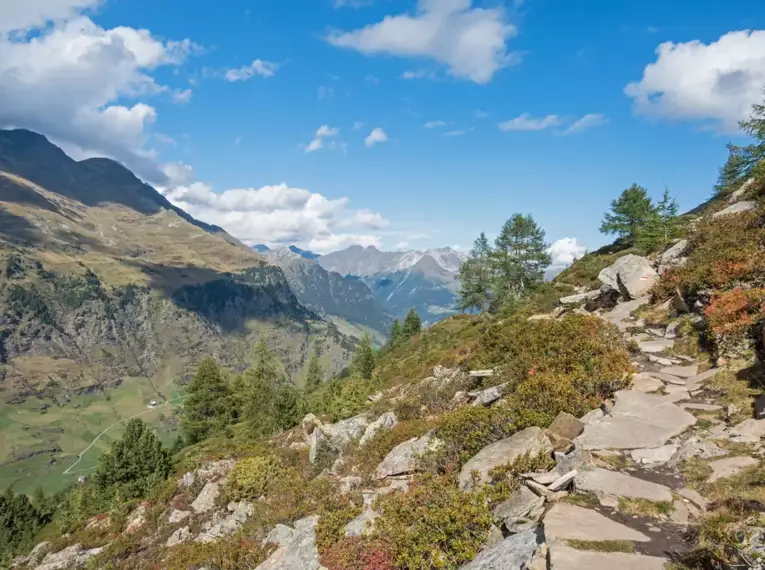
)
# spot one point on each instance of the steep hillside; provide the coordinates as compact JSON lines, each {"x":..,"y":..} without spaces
{"x":108,"y":298}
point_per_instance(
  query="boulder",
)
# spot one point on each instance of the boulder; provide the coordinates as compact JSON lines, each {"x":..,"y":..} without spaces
{"x":348,"y":484}
{"x":632,"y":275}
{"x":296,"y":548}
{"x":363,"y":524}
{"x":693,"y":447}
{"x":215,"y":470}
{"x":136,"y":519}
{"x":223,"y":525}
{"x":748,"y":431}
{"x":72,"y":556}
{"x":605,"y":482}
{"x":205,"y":501}
{"x":520,"y":504}
{"x":637,"y":420}
{"x":567,"y":426}
{"x":181,"y":535}
{"x":674,"y":255}
{"x":385,"y":421}
{"x":335,"y":437}
{"x":730,"y":466}
{"x":738,"y":194}
{"x":567,"y":558}
{"x":513,"y":553}
{"x":488,"y":396}
{"x":177,"y":516}
{"x":580,"y":298}
{"x":405,"y":457}
{"x":736,"y":208}
{"x":646,"y":383}
{"x":565,"y":521}
{"x":40,"y":550}
{"x":532,"y":441}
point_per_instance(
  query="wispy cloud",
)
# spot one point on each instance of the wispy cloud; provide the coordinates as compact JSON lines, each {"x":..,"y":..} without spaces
{"x":257,"y":67}
{"x":525,"y":122}
{"x":588,"y":121}
{"x":459,"y":132}
{"x":325,"y":131}
{"x":435,"y":124}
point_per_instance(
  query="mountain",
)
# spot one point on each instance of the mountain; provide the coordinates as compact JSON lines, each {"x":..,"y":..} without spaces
{"x":426,"y":280}
{"x":328,"y":293}
{"x":110,"y":295}
{"x":261,"y":248}
{"x":303,"y":252}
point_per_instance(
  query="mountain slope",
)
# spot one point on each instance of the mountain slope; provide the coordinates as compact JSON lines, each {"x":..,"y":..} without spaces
{"x":328,"y":293}
{"x":109,"y":296}
{"x":400,"y":280}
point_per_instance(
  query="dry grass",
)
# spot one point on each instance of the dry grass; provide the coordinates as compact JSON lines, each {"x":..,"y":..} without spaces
{"x":645,"y":508}
{"x":603,"y":545}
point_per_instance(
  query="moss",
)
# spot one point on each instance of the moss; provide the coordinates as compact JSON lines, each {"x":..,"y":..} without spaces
{"x":586,"y":500}
{"x":603,"y":545}
{"x":645,"y":508}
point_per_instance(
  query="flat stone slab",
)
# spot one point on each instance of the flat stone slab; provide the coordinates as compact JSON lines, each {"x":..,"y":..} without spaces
{"x":637,"y":420}
{"x":701,"y":407}
{"x":736,"y":208}
{"x":623,"y":311}
{"x":580,"y":298}
{"x":669,"y":378}
{"x":730,"y":466}
{"x":571,"y":522}
{"x":567,"y":558}
{"x":748,"y":431}
{"x":405,"y":457}
{"x":653,"y":346}
{"x":681,"y":371}
{"x":646,"y":383}
{"x":515,"y":552}
{"x":655,"y":455}
{"x":607,"y":482}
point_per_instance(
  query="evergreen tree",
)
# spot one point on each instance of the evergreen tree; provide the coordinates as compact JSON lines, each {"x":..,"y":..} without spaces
{"x":208,"y":406}
{"x":412,"y":325}
{"x":630,"y":213}
{"x":288,"y":407}
{"x":135,"y":463}
{"x":315,"y":374}
{"x":476,"y":276}
{"x":262,"y":381}
{"x":394,"y":339}
{"x":363,"y":362}
{"x":20,"y":521}
{"x":662,"y":227}
{"x":732,"y":173}
{"x":752,"y":155}
{"x":520,"y":257}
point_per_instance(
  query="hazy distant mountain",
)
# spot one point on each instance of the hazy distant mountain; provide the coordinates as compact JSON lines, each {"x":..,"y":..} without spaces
{"x":304,"y":252}
{"x":327,"y":292}
{"x":400,"y":280}
{"x":261,"y":247}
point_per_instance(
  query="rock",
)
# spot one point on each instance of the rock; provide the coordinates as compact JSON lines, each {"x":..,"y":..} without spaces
{"x":576,"y":460}
{"x":215,"y":469}
{"x":375,"y":397}
{"x":700,"y":407}
{"x":681,"y":371}
{"x":759,"y":408}
{"x":40,"y":550}
{"x":657,"y":345}
{"x":633,"y":276}
{"x":460,"y":399}
{"x":564,"y":521}
{"x":668,"y":378}
{"x":296,"y":548}
{"x":566,"y":425}
{"x":385,"y":421}
{"x":660,"y":360}
{"x":136,"y":519}
{"x":544,"y":478}
{"x":494,"y":538}
{"x":539,"y":560}
{"x":621,"y":315}
{"x":540,"y":490}
{"x":559,"y":443}
{"x":205,"y":501}
{"x":592,"y":416}
{"x":177,"y":516}
{"x":519,"y":505}
{"x":405,"y":457}
{"x":99,"y":522}
{"x":694,"y":497}
{"x":181,"y":535}
{"x":679,"y":302}
{"x":72,"y":556}
{"x":674,"y":255}
{"x":489,"y":396}
{"x":567,"y":558}
{"x":563,"y":481}
{"x":363,"y":524}
{"x":348,"y":484}
{"x":637,"y":420}
{"x":693,"y":447}
{"x":188,"y":480}
{"x":671,"y":331}
{"x":513,"y":553}
{"x":580,"y":298}
{"x":730,"y":466}
{"x":531,"y":440}
{"x":309,"y":422}
{"x":680,"y":514}
{"x":655,"y":455}
{"x":646,"y":383}
{"x":221,"y":526}
{"x":736,"y":208}
{"x":748,"y":431}
{"x":738,"y":194}
{"x":335,"y":437}
{"x":603,"y":481}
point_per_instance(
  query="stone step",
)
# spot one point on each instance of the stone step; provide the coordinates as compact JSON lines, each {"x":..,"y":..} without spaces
{"x":606,"y":482}
{"x":565,"y":521}
{"x":566,"y":558}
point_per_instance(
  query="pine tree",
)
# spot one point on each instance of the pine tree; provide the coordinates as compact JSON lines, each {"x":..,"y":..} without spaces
{"x":630,"y":212}
{"x":662,"y":227}
{"x":261,"y":381}
{"x":363,"y":362}
{"x":20,"y":521}
{"x":208,"y":406}
{"x":315,"y":374}
{"x":732,"y":173}
{"x":476,"y":277}
{"x":288,"y":407}
{"x":412,"y":325}
{"x":135,"y":463}
{"x":520,"y":257}
{"x":394,"y":339}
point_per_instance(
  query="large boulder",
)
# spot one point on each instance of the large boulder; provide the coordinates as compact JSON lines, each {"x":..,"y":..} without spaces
{"x":736,"y":208}
{"x":222,"y":525}
{"x":532,"y":441}
{"x":632,"y":275}
{"x":385,"y":421}
{"x":579,"y":298}
{"x":513,"y":553}
{"x":74,"y":556}
{"x":674,"y":256}
{"x":405,"y":457}
{"x":335,"y":437}
{"x":207,"y":497}
{"x":567,"y":558}
{"x":296,"y":548}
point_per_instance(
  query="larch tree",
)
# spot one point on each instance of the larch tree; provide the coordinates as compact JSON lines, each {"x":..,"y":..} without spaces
{"x":520,"y":257}
{"x":412,"y":325}
{"x":630,"y":213}
{"x":476,"y":277}
{"x":363,"y":362}
{"x":661,"y":227}
{"x":208,"y":406}
{"x":315,"y":374}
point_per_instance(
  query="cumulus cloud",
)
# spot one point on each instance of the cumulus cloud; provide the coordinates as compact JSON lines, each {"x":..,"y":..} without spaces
{"x":566,"y":250}
{"x":525,"y":122}
{"x":714,"y":83}
{"x":470,"y":42}
{"x":325,"y":131}
{"x":62,"y":75}
{"x":280,"y":215}
{"x":586,"y":122}
{"x":257,"y":67}
{"x":376,"y":136}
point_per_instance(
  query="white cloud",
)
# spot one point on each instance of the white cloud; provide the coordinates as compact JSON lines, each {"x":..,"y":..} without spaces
{"x":376,"y":136}
{"x":257,"y":67}
{"x":280,"y":215}
{"x":458,"y":132}
{"x":434,"y":124}
{"x":79,"y":84}
{"x":715,"y":83}
{"x":418,"y":74}
{"x":352,"y":3}
{"x":566,"y":250}
{"x":182,"y":95}
{"x":324,"y":131}
{"x":470,"y":42}
{"x":588,"y":121}
{"x":525,"y":122}
{"x":358,"y":125}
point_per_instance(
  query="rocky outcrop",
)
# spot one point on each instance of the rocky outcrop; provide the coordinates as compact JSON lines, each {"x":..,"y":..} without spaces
{"x":74,"y":556}
{"x":296,"y":548}
{"x":567,"y":558}
{"x":564,"y":521}
{"x":673,"y":257}
{"x":333,"y":438}
{"x":181,"y":535}
{"x":207,"y":497}
{"x":736,"y":208}
{"x":405,"y":457}
{"x":615,"y":484}
{"x":633,"y":276}
{"x":513,"y":553}
{"x":532,"y":441}
{"x":521,"y":508}
{"x":579,"y":298}
{"x":136,"y":519}
{"x":488,"y":396}
{"x":222,"y":525}
{"x":385,"y":421}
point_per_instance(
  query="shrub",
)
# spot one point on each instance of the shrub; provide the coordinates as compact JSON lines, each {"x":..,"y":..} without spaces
{"x":358,"y":553}
{"x":366,"y":457}
{"x":468,"y":430}
{"x":434,"y":525}
{"x":735,"y":312}
{"x":541,"y":397}
{"x":229,"y":555}
{"x":329,"y":530}
{"x":254,"y":477}
{"x":504,"y":479}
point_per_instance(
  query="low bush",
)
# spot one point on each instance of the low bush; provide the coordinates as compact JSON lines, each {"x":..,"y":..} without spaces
{"x":330,"y":529}
{"x":254,"y":477}
{"x":735,"y":312}
{"x":504,"y":479}
{"x":358,"y":553}
{"x":233,"y":554}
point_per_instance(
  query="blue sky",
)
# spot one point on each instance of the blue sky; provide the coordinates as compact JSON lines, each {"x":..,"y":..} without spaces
{"x":257,"y":115}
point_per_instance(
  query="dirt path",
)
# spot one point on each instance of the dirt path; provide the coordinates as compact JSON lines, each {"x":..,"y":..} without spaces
{"x":92,"y":443}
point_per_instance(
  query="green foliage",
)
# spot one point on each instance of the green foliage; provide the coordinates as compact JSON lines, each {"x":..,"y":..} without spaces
{"x":412,"y":326}
{"x":505,"y":479}
{"x":74,"y":291}
{"x":434,"y":525}
{"x":395,"y":336}
{"x":476,"y":277}
{"x":208,"y":406}
{"x":585,"y":270}
{"x":315,"y":374}
{"x":20,"y":521}
{"x":329,"y":529}
{"x":358,"y":553}
{"x":662,"y":226}
{"x":732,"y":173}
{"x":363,"y":363}
{"x":134,"y":464}
{"x":231,"y":554}
{"x":468,"y":430}
{"x":253,"y":477}
{"x":630,"y":212}
{"x":340,"y":398}
{"x":27,"y":300}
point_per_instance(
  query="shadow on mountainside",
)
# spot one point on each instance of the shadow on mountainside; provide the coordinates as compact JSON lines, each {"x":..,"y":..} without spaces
{"x":17,"y":230}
